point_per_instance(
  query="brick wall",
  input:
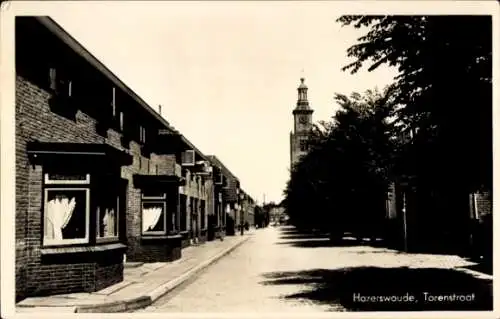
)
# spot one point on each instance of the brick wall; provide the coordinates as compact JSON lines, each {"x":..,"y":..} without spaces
{"x":139,"y":249}
{"x":35,"y":122}
{"x":200,"y":189}
{"x":154,"y":250}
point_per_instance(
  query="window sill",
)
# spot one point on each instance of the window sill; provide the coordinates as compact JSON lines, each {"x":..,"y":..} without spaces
{"x":82,"y":249}
{"x":161,"y":237}
{"x":107,"y":239}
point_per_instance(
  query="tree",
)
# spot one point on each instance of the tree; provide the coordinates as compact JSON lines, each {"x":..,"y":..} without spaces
{"x":444,"y":84}
{"x":350,"y":158}
{"x":445,"y":90}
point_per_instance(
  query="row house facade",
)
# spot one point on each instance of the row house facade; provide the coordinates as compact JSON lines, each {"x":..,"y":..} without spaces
{"x":101,"y":177}
{"x":247,"y":204}
{"x":228,"y":191}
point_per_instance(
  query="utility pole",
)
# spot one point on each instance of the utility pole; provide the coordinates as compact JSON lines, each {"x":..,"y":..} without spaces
{"x":405,"y":223}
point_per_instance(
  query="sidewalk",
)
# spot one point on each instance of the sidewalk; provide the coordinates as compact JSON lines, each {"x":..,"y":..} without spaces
{"x":142,"y":283}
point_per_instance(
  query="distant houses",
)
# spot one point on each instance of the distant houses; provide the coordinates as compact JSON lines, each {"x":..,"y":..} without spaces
{"x":101,"y":177}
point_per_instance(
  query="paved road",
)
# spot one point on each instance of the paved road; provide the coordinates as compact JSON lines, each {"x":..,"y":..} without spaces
{"x":280,"y":270}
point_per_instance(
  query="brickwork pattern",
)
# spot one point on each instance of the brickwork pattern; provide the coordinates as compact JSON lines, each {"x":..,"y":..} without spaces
{"x":35,"y":122}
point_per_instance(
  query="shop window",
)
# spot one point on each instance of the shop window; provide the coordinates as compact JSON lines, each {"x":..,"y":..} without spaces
{"x":66,"y":209}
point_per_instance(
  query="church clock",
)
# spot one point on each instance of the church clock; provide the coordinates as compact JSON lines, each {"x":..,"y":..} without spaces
{"x":303,"y":119}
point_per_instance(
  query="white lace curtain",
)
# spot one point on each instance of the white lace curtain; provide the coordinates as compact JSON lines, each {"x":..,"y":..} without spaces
{"x":108,"y":222}
{"x":150,"y":217}
{"x":58,"y":214}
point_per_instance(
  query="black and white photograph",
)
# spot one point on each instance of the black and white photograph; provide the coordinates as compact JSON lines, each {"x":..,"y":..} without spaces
{"x":248,"y":157}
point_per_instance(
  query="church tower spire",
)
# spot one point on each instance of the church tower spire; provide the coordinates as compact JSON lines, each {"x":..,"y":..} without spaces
{"x":302,"y":114}
{"x":302,"y":101}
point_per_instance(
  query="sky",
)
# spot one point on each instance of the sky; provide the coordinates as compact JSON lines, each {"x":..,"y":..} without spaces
{"x":226,"y":74}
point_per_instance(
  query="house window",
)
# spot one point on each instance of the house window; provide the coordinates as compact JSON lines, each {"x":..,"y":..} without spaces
{"x":121,"y":121}
{"x":172,"y":223}
{"x":183,"y":211}
{"x":142,"y":134}
{"x":154,"y":218}
{"x":154,"y":214}
{"x":53,"y":79}
{"x":107,"y":213}
{"x":66,"y":210}
{"x":202,"y":213}
{"x":59,"y":85}
{"x":113,"y":102}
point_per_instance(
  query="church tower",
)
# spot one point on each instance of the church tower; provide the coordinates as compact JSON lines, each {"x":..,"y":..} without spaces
{"x":302,"y":119}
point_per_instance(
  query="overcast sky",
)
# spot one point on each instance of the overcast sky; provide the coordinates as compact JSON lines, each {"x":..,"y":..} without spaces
{"x":225,"y":73}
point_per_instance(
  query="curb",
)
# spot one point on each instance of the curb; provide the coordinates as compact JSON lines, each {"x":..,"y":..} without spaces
{"x":150,"y":297}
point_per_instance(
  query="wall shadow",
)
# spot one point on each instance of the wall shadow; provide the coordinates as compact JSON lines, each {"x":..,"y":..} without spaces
{"x":349,"y":288}
{"x":434,"y":246}
{"x":302,"y":236}
{"x":318,"y":242}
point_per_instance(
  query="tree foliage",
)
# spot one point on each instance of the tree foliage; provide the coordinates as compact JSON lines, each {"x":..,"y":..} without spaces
{"x":431,"y":129}
{"x":347,"y":159}
{"x":444,"y":86}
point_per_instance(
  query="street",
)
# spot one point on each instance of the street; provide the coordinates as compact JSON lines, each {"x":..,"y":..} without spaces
{"x":281,"y":270}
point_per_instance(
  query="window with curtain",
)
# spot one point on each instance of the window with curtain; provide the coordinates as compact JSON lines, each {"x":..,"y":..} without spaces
{"x":66,"y":216}
{"x":107,"y":213}
{"x":154,"y":217}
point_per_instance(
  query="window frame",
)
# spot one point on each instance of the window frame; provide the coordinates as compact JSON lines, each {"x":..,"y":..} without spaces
{"x":66,"y":242}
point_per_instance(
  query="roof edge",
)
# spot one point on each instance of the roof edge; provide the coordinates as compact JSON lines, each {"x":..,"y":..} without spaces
{"x":78,"y":48}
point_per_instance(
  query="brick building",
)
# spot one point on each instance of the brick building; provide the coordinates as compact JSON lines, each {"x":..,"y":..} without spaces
{"x":247,"y":204}
{"x":100,"y":176}
{"x":227,"y":191}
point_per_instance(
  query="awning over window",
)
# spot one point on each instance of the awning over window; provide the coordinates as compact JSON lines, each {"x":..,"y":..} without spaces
{"x":77,"y":153}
